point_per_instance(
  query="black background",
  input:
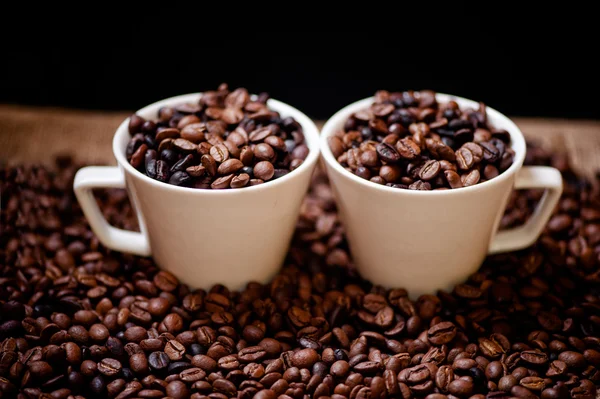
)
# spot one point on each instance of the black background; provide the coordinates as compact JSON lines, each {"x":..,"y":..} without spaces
{"x":541,"y":71}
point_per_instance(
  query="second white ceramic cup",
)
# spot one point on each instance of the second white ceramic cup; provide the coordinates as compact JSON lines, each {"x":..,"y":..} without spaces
{"x":430,"y":240}
{"x":204,"y":237}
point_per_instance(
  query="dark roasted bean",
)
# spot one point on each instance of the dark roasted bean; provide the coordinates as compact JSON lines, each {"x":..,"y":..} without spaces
{"x":75,"y":316}
{"x":463,"y":140}
{"x":215,"y":135}
{"x":441,"y":333}
{"x":109,"y":367}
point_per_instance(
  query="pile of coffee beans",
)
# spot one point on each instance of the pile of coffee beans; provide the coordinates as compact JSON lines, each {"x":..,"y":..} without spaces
{"x":80,"y":321}
{"x":408,"y":140}
{"x":226,"y":140}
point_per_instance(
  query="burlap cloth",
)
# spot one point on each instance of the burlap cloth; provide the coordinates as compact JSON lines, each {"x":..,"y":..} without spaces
{"x":36,"y":134}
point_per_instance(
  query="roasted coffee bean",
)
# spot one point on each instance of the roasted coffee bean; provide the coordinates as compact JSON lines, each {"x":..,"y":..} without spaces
{"x":494,"y":370}
{"x":533,"y":383}
{"x":178,"y":367}
{"x":387,"y":153}
{"x":252,"y":354}
{"x":109,"y":367}
{"x":429,"y":170}
{"x":446,"y":136}
{"x":461,"y":388}
{"x":162,"y":171}
{"x":263,"y":170}
{"x":109,"y":324}
{"x":174,"y":350}
{"x":441,"y":333}
{"x":182,"y":164}
{"x":177,"y":390}
{"x":534,"y":357}
{"x":507,"y":382}
{"x":180,"y":178}
{"x":188,"y":133}
{"x":99,"y":332}
{"x":572,"y":359}
{"x":305,"y":358}
{"x":368,"y":367}
{"x":40,"y":370}
{"x":522,"y":392}
{"x":490,"y":152}
{"x":443,"y":377}
{"x":138,"y":362}
{"x":158,"y":360}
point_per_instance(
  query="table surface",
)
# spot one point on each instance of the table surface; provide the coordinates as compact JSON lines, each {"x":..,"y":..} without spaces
{"x":37,"y":134}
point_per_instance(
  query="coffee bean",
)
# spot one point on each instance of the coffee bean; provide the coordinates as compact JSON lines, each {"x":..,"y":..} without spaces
{"x":572,"y":359}
{"x":340,"y":369}
{"x":533,"y":383}
{"x":461,"y":388}
{"x":494,"y":370}
{"x":178,"y":367}
{"x":174,"y":350}
{"x":263,"y":170}
{"x":135,"y":334}
{"x":251,"y":354}
{"x":368,"y":367}
{"x":99,"y":332}
{"x":429,"y":170}
{"x":260,"y":134}
{"x":443,"y":377}
{"x":415,"y":375}
{"x":182,"y":164}
{"x":177,"y":390}
{"x":387,"y":153}
{"x":471,"y":178}
{"x":507,"y":382}
{"x":138,"y":362}
{"x":305,"y":358}
{"x":441,"y":333}
{"x":224,"y":386}
{"x":162,"y":171}
{"x":165,"y":281}
{"x":534,"y":357}
{"x":522,"y":392}
{"x":115,"y":325}
{"x":98,"y":385}
{"x":40,"y":370}
{"x":490,"y":152}
{"x":158,"y":360}
{"x":180,"y":178}
{"x":219,"y":153}
{"x":192,"y":375}
{"x":464,"y":158}
{"x":230,"y":166}
{"x":221,"y":137}
{"x":443,"y":136}
{"x":109,"y":367}
{"x":204,"y":362}
{"x":222,"y":182}
{"x":172,"y":323}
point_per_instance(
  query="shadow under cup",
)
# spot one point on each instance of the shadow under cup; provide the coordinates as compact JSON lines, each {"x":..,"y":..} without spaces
{"x":425,"y":241}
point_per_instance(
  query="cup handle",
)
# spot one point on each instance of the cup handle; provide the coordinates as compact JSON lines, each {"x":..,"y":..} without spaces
{"x":111,"y":237}
{"x":525,"y":235}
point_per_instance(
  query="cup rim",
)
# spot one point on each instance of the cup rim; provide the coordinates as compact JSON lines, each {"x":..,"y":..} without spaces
{"x":502,"y":121}
{"x":310,"y":130}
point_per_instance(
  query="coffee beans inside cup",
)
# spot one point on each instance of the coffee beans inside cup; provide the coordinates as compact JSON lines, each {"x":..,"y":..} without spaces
{"x":408,"y":140}
{"x":226,"y":140}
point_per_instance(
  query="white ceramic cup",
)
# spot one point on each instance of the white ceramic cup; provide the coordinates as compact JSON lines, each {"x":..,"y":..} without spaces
{"x":203,"y":237}
{"x":430,"y":240}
